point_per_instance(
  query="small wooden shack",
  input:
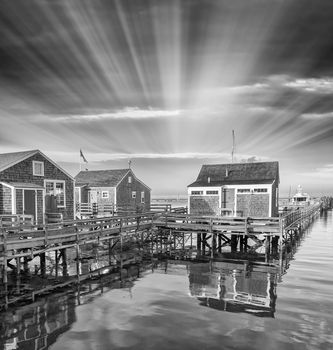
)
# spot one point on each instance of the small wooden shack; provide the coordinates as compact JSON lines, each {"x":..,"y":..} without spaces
{"x":236,"y":189}
{"x":32,"y":184}
{"x":116,"y":188}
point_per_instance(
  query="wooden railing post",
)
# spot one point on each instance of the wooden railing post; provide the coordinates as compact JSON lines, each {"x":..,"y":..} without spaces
{"x":5,"y":277}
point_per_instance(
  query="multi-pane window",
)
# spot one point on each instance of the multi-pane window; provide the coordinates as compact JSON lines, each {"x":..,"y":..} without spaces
{"x":197,"y":193}
{"x":133,"y":194}
{"x":37,"y":168}
{"x":57,"y":189}
{"x":212,"y":192}
{"x":105,"y":194}
{"x":260,"y":190}
{"x":130,"y":179}
{"x":244,"y":190}
{"x":142,"y":197}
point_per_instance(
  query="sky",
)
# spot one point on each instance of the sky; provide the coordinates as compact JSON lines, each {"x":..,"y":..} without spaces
{"x":164,"y":82}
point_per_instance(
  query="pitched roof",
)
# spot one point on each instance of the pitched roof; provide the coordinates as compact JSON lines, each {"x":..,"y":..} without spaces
{"x":100,"y":178}
{"x":9,"y":159}
{"x":237,"y":173}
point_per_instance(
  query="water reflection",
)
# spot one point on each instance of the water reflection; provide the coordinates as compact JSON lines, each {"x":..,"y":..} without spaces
{"x":37,"y":326}
{"x":235,"y":287}
{"x":181,"y":302}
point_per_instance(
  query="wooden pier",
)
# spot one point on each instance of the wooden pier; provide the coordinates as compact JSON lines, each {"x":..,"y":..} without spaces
{"x":167,"y":233}
{"x":234,"y":236}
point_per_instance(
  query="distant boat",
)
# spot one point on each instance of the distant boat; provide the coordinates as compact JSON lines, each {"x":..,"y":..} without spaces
{"x":301,"y":198}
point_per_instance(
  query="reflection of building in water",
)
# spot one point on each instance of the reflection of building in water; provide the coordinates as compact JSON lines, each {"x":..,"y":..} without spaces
{"x":37,"y":326}
{"x":234,"y":287}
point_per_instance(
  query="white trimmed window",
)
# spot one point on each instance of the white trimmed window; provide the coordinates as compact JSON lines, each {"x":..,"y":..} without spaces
{"x":56,"y":188}
{"x":133,"y":194}
{"x":262,"y":190}
{"x":244,"y":190}
{"x":37,"y":168}
{"x":130,"y":179}
{"x":105,"y":194}
{"x":212,"y":192}
{"x":196,"y":193}
{"x":142,"y":197}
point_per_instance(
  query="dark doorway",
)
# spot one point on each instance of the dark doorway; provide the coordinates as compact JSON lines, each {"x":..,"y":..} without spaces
{"x":30,"y":203}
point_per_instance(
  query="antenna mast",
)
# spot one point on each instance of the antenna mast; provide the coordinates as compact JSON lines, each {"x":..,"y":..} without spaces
{"x":233,"y":146}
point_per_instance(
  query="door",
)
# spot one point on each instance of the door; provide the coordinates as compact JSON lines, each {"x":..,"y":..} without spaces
{"x":29,"y":203}
{"x":93,"y":197}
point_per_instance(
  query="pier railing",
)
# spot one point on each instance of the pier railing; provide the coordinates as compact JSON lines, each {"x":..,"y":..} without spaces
{"x":296,"y":217}
{"x":70,"y":232}
{"x":16,"y":220}
{"x":27,"y":236}
{"x":241,"y":225}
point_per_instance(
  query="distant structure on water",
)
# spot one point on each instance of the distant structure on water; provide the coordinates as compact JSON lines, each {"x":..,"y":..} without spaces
{"x":34,"y":185}
{"x":237,"y":189}
{"x":117,"y":187}
{"x":301,"y":198}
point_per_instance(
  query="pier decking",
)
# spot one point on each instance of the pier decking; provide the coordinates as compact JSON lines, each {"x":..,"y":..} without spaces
{"x":161,"y":233}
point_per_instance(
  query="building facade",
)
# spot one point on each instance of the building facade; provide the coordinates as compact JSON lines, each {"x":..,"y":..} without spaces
{"x":32,"y":184}
{"x":117,"y":187}
{"x":237,"y":189}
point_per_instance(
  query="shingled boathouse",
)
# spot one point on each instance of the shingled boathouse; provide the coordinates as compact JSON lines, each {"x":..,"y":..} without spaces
{"x":115,"y":188}
{"x":34,"y":185}
{"x":236,"y":189}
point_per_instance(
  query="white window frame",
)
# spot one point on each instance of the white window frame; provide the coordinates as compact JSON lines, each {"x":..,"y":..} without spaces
{"x":216,"y":193}
{"x":105,"y":194}
{"x":34,"y":163}
{"x":55,"y":186}
{"x":142,"y":196}
{"x":130,"y":179}
{"x":133,"y":194}
{"x":197,"y":193}
{"x":246,"y":190}
{"x":260,"y":190}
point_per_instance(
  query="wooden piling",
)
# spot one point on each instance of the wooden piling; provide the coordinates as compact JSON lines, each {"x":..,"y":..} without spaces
{"x":77,"y":248}
{"x":56,"y":258}
{"x":5,"y":277}
{"x":219,"y":243}
{"x":199,"y":243}
{"x":42,"y":258}
{"x":18,"y":266}
{"x":64,"y":261}
{"x":233,"y":243}
{"x":267,"y":248}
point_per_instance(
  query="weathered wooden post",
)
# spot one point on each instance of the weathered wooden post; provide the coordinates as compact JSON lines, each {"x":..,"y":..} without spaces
{"x":77,"y":248}
{"x":275,"y":240}
{"x":25,"y":264}
{"x":203,"y":242}
{"x":109,"y":251}
{"x":219,"y":243}
{"x":213,"y":250}
{"x":199,"y":244}
{"x":121,"y":249}
{"x":63,"y":253}
{"x":267,"y":248}
{"x":56,"y":258}
{"x":42,"y":258}
{"x":234,"y":243}
{"x":18,"y":266}
{"x":5,"y":277}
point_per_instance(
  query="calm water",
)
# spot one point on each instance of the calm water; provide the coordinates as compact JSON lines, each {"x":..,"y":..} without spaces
{"x":178,"y":305}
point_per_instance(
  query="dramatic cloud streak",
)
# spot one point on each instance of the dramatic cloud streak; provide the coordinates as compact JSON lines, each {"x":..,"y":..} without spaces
{"x":165,"y":83}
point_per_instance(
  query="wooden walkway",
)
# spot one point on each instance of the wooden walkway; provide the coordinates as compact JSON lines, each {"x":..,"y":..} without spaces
{"x":161,"y":233}
{"x":34,"y":239}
